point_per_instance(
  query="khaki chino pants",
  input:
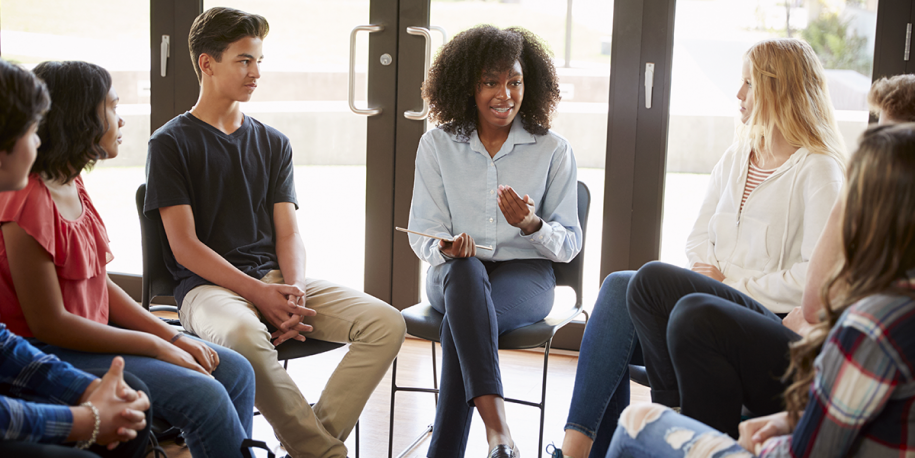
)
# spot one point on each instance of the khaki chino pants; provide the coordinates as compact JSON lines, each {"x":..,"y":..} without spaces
{"x":374,"y":330}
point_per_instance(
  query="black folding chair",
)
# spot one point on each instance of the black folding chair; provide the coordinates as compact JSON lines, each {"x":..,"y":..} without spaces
{"x":424,"y":322}
{"x":159,"y":283}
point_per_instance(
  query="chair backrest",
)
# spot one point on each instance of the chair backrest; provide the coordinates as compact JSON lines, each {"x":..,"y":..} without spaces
{"x":572,"y":273}
{"x":157,"y":280}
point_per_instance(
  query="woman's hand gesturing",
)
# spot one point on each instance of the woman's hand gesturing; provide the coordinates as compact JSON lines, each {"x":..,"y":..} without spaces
{"x":519,"y":212}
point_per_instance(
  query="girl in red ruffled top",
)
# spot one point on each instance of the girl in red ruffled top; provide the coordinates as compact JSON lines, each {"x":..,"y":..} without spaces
{"x":54,"y":288}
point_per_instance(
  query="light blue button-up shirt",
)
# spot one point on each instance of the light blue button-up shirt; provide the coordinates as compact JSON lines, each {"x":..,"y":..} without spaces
{"x":456,"y":185}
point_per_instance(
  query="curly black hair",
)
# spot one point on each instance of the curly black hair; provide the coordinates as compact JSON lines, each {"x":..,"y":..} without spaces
{"x":23,"y":101}
{"x":73,"y":128}
{"x":458,"y":69}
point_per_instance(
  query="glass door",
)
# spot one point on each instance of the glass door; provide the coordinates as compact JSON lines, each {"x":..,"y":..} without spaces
{"x":303,"y":92}
{"x":710,"y":39}
{"x":34,"y":31}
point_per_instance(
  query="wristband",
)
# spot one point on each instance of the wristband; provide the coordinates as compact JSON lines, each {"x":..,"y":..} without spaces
{"x":176,"y":337}
{"x":82,"y":445}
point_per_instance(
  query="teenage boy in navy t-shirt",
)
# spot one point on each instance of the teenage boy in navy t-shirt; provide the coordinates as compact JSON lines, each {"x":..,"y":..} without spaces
{"x":223,"y":185}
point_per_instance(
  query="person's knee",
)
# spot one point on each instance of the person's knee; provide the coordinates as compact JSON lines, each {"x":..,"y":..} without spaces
{"x":380,"y":326}
{"x":644,"y":282}
{"x":616,"y":283}
{"x":240,"y":367}
{"x":610,"y":307}
{"x":637,"y":416}
{"x":464,"y":269}
{"x":391,"y":322}
{"x":209,"y":395}
{"x":649,"y":274}
{"x":693,"y":315}
{"x":248,"y":340}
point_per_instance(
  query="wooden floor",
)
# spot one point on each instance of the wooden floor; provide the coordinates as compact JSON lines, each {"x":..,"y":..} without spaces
{"x":521,"y":374}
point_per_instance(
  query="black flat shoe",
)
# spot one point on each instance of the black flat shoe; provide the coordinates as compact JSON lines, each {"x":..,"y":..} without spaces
{"x":504,"y":451}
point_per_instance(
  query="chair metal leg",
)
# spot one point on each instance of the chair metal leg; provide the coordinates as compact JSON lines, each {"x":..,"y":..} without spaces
{"x":391,"y":423}
{"x":434,"y":375}
{"x":357,"y":439}
{"x":394,"y":390}
{"x":546,"y":360}
{"x":416,"y":442}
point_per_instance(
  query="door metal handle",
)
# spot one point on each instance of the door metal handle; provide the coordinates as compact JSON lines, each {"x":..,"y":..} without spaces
{"x":352,"y":69}
{"x":649,"y":83}
{"x":164,"y":52}
{"x":908,"y":41}
{"x":423,"y":32}
{"x":440,"y":30}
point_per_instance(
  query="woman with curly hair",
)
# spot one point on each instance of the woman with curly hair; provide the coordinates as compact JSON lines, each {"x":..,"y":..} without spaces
{"x":492,"y":93}
{"x":852,"y":391}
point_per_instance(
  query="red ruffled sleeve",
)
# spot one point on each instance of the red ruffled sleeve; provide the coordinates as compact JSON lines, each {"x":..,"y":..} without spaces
{"x":79,"y":249}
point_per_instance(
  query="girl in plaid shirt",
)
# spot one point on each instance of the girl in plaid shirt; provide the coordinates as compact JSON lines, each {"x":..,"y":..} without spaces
{"x":854,"y":374}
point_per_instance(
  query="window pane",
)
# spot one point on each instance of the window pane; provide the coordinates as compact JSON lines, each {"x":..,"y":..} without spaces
{"x":710,"y":39}
{"x":115,"y":35}
{"x":303,"y":93}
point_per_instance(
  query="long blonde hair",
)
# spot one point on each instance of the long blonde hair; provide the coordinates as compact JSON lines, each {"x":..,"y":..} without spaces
{"x":878,"y":242}
{"x":789,"y":88}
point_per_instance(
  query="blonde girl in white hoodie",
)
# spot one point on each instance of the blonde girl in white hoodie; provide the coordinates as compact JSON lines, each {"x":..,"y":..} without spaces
{"x":712,"y":336}
{"x":750,"y":253}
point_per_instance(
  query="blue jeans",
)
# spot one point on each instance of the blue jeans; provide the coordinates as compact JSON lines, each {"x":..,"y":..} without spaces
{"x":672,"y":436}
{"x":480,"y":301}
{"x":215,"y":415}
{"x":602,"y":378}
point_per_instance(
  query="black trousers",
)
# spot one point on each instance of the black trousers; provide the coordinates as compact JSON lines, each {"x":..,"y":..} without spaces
{"x":708,"y":348}
{"x":480,"y":301}
{"x":130,"y":449}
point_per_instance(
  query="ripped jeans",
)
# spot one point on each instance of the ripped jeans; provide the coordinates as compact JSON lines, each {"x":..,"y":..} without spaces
{"x":653,"y":430}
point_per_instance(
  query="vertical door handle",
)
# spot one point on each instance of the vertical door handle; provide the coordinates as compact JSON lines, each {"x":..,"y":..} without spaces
{"x":352,"y":69}
{"x":164,"y":52}
{"x":423,"y":32}
{"x":649,"y":83}
{"x":908,"y":41}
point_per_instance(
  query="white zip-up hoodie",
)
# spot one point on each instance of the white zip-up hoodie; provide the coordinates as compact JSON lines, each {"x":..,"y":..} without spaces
{"x":763,"y":251}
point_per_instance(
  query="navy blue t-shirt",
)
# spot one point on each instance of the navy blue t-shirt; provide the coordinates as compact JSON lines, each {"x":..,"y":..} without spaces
{"x":231,"y":183}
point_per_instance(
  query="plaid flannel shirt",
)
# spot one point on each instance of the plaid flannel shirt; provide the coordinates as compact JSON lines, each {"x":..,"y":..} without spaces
{"x":862,"y":399}
{"x":37,"y":391}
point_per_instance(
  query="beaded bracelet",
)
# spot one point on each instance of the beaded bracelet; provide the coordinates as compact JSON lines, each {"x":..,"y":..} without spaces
{"x":82,"y":445}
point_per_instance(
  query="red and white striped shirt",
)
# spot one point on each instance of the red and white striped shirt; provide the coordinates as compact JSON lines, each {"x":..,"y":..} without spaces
{"x":755,"y":176}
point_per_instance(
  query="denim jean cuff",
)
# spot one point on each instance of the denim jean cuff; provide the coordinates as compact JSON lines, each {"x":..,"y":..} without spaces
{"x":668,"y":398}
{"x":587,"y":432}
